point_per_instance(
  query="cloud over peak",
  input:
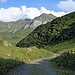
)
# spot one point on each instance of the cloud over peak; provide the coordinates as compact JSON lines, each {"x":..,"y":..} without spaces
{"x":22,"y":12}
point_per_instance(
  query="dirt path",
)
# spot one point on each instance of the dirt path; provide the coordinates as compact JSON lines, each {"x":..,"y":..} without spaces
{"x":35,"y":67}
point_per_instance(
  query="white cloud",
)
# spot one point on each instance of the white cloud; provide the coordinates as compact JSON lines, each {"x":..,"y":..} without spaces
{"x":30,"y":12}
{"x":15,"y":13}
{"x":10,"y":14}
{"x":58,"y":14}
{"x":67,"y":5}
{"x":44,"y":10}
{"x":1,"y":1}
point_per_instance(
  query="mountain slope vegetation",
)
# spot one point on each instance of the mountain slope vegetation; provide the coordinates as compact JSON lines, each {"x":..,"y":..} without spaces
{"x":11,"y":56}
{"x":10,"y":30}
{"x":17,"y":30}
{"x":65,"y":63}
{"x":56,"y":31}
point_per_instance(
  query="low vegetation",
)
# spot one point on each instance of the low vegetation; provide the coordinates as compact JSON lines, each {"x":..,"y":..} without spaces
{"x":11,"y":56}
{"x":66,"y":60}
{"x":57,"y":36}
{"x":65,"y":63}
{"x":17,"y":30}
{"x":62,"y":71}
{"x":62,"y":47}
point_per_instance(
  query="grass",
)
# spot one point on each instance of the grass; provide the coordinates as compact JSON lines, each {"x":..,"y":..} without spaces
{"x":12,"y":56}
{"x":61,"y":71}
{"x":7,"y":64}
{"x":62,"y":46}
{"x":7,"y":31}
{"x":65,"y":60}
{"x":64,"y":64}
{"x":14,"y":38}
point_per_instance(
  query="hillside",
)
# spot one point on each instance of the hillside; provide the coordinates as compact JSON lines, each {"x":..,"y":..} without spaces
{"x":57,"y":36}
{"x":11,"y":56}
{"x":10,"y":30}
{"x":17,"y":30}
{"x":58,"y":30}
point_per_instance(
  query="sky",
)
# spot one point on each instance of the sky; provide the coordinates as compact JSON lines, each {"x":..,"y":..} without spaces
{"x":12,"y":10}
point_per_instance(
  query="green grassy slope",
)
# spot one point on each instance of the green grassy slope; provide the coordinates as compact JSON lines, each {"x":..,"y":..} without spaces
{"x":62,"y":47}
{"x":66,"y":60}
{"x":58,"y":30}
{"x":13,"y":30}
{"x":65,"y":63}
{"x":16,"y":37}
{"x":11,"y":56}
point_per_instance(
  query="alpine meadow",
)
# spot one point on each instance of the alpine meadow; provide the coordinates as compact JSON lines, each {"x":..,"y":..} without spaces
{"x":37,"y":37}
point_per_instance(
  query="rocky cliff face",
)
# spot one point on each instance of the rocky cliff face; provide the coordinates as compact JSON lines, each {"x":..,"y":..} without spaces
{"x":42,"y":19}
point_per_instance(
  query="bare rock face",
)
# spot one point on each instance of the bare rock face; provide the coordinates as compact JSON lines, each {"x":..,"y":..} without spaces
{"x":42,"y":19}
{"x":25,"y":26}
{"x":35,"y":23}
{"x":6,"y":43}
{"x":15,"y":26}
{"x":3,"y":42}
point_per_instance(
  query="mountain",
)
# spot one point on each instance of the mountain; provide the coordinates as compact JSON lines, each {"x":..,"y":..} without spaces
{"x":11,"y":30}
{"x":42,"y":19}
{"x":56,"y":31}
{"x":15,"y":31}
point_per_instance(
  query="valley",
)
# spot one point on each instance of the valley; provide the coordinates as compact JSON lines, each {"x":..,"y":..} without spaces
{"x":30,"y":49}
{"x":17,"y":30}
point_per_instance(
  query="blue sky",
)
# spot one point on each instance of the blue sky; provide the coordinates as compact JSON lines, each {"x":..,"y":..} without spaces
{"x":48,"y":4}
{"x":12,"y":10}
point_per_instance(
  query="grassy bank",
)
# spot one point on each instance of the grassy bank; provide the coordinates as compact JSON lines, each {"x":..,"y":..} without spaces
{"x":61,"y":71}
{"x":62,"y":47}
{"x":65,"y":63}
{"x":12,"y":56}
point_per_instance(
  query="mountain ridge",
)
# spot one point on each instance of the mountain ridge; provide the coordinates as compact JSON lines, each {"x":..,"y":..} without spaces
{"x":19,"y":29}
{"x":51,"y":32}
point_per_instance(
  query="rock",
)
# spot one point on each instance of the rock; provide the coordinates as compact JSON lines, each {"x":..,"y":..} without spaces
{"x":6,"y":43}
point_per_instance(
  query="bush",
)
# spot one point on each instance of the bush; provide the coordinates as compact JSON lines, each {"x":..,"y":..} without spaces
{"x":6,"y":64}
{"x":66,"y":60}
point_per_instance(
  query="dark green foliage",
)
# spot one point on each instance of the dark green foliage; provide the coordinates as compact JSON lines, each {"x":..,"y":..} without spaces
{"x":67,"y":33}
{"x":66,"y":60}
{"x":6,"y":64}
{"x":60,"y":29}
